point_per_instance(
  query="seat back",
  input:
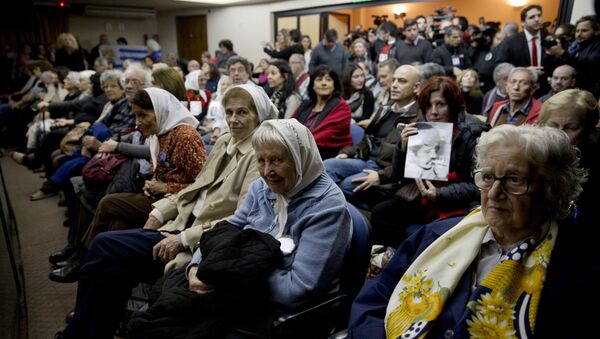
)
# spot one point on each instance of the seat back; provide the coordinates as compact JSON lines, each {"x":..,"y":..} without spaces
{"x":357,"y":133}
{"x":357,"y":259}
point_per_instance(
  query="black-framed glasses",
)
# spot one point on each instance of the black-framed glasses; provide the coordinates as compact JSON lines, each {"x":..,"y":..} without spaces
{"x":512,"y":184}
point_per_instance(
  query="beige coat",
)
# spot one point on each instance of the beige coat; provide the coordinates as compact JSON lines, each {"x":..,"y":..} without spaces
{"x":226,"y":191}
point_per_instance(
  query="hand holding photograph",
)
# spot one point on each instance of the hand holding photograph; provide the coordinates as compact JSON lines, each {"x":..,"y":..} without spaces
{"x":428,"y":151}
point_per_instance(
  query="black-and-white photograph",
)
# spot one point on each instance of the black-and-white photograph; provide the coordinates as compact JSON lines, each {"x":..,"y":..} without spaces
{"x":428,"y":152}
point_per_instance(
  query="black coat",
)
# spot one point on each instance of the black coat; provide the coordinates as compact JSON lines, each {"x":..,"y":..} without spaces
{"x":587,"y":63}
{"x":462,"y":194}
{"x":237,"y":263}
{"x":381,"y":137}
{"x":443,"y":56}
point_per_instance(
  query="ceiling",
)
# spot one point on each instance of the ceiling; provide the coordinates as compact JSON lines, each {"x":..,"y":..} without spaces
{"x":164,"y":5}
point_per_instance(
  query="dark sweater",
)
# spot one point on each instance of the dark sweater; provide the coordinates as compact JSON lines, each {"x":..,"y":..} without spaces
{"x":335,"y":59}
{"x":407,"y":53}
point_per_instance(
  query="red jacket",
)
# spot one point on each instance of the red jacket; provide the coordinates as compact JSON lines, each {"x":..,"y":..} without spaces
{"x":532,"y":116}
{"x":331,"y":127}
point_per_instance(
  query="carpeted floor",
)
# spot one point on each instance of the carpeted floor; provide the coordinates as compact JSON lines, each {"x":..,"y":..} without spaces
{"x":41,"y":233}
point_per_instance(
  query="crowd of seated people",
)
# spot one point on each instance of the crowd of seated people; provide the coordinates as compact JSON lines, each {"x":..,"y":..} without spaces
{"x":216,"y":149}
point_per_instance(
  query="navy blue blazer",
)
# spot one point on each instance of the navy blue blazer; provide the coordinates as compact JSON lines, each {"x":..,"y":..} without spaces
{"x":571,"y":285}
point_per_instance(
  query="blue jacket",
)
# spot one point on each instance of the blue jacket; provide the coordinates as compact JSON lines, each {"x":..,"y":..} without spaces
{"x":571,"y":286}
{"x":320,"y":226}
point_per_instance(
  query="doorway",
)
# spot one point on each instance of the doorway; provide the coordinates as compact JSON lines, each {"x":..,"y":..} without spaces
{"x":191,"y":36}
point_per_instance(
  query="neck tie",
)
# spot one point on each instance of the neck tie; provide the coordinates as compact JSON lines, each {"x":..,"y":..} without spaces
{"x":534,"y":61}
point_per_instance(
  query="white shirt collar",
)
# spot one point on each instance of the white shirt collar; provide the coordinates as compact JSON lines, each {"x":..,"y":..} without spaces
{"x":528,"y":35}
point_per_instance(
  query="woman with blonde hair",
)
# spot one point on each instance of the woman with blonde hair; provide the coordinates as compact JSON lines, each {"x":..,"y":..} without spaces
{"x":576,"y":113}
{"x":468,"y":80}
{"x":69,"y":53}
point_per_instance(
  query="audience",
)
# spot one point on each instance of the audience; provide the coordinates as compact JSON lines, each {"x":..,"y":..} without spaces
{"x":414,"y":49}
{"x":328,"y":52}
{"x":361,"y":168}
{"x":421,"y":200}
{"x":498,"y":93}
{"x":576,"y":113}
{"x":563,"y":77}
{"x":385,"y":75}
{"x":285,"y":49}
{"x":452,"y":55}
{"x":326,"y":113}
{"x":297,"y":207}
{"x":357,"y":95}
{"x":118,"y":260}
{"x":281,"y":88}
{"x":521,"y":107}
{"x":474,"y":276}
{"x":468,"y":81}
{"x":57,"y":129}
{"x":298,"y":65}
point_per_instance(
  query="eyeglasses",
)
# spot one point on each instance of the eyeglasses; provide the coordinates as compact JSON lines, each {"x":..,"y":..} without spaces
{"x":135,"y":82}
{"x":512,"y":184}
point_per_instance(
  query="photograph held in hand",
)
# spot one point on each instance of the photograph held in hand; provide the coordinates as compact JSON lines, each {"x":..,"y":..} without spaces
{"x":428,"y":155}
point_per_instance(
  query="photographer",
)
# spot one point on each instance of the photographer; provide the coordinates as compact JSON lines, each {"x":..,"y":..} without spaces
{"x":483,"y":54}
{"x":583,"y":54}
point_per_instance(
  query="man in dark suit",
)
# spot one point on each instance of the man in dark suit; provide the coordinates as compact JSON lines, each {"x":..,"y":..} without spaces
{"x":452,"y":55}
{"x":524,"y":49}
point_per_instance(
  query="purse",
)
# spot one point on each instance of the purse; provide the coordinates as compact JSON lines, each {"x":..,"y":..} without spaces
{"x":72,"y":140}
{"x":102,"y":170}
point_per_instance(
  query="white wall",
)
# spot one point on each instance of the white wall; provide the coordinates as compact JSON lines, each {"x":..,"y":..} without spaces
{"x":582,"y":8}
{"x":245,"y":26}
{"x":87,"y":29}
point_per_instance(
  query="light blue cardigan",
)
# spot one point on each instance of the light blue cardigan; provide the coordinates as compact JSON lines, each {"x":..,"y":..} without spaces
{"x":320,"y":225}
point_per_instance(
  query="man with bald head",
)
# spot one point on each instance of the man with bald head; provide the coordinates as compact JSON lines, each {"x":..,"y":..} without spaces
{"x":563,"y":78}
{"x":359,"y":169}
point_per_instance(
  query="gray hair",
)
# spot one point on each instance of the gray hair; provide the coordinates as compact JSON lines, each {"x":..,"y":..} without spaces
{"x":235,"y":59}
{"x":362,"y":42}
{"x":47,"y":75}
{"x":86,"y":75}
{"x":267,"y":135}
{"x":74,"y":77}
{"x":111,"y":75}
{"x":300,"y":58}
{"x":532,"y":75}
{"x":429,"y":70}
{"x":136,"y":66}
{"x":500,"y":69}
{"x":511,"y":28}
{"x":550,"y":152}
{"x":153,"y":45}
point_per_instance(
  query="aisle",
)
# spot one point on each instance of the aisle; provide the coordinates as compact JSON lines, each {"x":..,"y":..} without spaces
{"x":41,"y":232}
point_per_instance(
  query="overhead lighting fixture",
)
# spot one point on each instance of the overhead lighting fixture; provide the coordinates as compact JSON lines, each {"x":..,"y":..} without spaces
{"x":216,"y":2}
{"x":517,"y":3}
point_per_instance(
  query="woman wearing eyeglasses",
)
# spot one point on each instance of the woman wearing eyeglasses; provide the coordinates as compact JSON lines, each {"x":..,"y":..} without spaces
{"x":515,"y":268}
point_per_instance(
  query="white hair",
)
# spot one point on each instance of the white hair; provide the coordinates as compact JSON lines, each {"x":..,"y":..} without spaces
{"x":550,"y":153}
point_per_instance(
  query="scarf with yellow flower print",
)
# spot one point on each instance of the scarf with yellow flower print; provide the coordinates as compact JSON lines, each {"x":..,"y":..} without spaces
{"x":504,"y":305}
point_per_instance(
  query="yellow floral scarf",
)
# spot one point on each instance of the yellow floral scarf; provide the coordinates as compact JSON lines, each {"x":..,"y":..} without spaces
{"x":504,"y":305}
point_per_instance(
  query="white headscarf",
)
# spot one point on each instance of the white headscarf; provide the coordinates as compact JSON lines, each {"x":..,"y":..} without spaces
{"x":191,"y":80}
{"x":264,"y":108}
{"x":170,"y":113}
{"x":309,"y":166}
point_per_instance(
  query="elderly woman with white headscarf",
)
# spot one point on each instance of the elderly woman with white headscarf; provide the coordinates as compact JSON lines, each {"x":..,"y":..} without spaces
{"x":118,"y":260}
{"x":196,"y":93}
{"x":177,"y":154}
{"x":299,"y":214}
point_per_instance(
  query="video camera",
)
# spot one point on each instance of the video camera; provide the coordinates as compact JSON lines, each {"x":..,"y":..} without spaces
{"x":552,"y":40}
